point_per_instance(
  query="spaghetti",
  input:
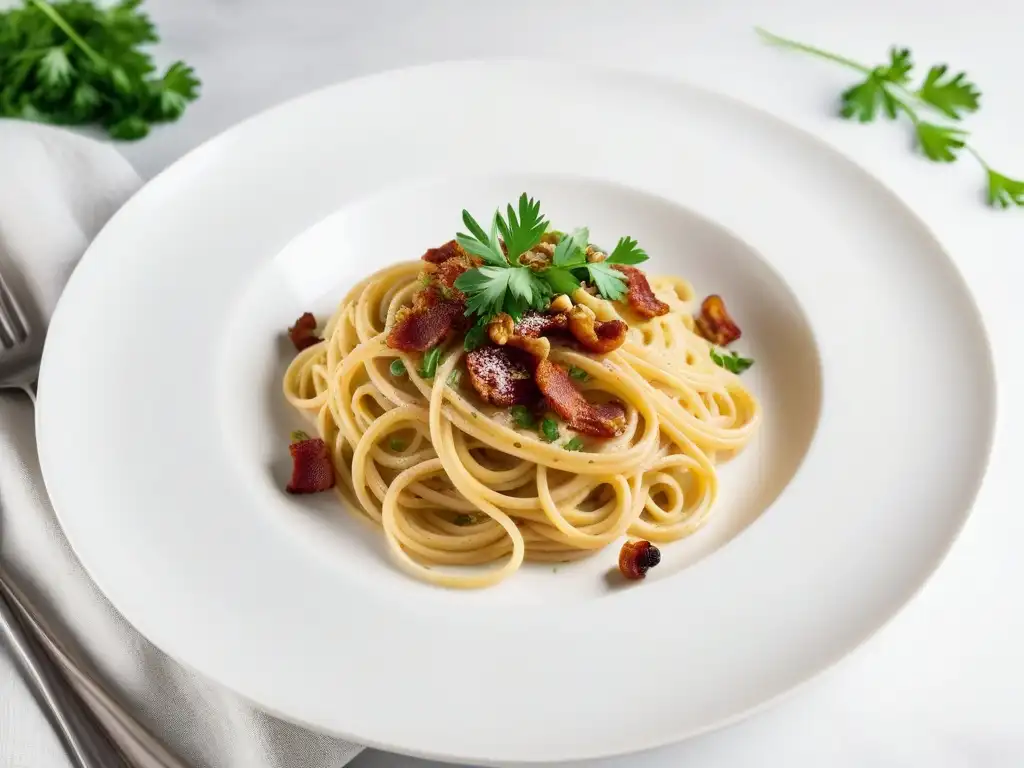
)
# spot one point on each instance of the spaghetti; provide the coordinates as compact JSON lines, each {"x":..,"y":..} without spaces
{"x":465,"y":492}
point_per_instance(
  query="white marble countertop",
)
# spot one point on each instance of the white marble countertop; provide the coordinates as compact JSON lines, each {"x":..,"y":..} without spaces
{"x":941,"y":686}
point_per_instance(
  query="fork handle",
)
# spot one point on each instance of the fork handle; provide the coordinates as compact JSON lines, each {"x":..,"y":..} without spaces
{"x":83,"y":739}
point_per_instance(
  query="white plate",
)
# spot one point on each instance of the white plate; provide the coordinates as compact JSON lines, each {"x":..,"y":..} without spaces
{"x":162,"y":431}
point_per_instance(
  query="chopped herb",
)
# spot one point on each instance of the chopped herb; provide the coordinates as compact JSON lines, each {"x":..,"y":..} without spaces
{"x":464,"y":519}
{"x":395,"y":444}
{"x":730,"y":360}
{"x":430,"y":360}
{"x":579,"y":374}
{"x":477,"y":335}
{"x":522,"y":416}
{"x":397,"y":367}
{"x":549,"y":430}
{"x":574,"y":445}
{"x":454,"y":378}
{"x":298,"y":436}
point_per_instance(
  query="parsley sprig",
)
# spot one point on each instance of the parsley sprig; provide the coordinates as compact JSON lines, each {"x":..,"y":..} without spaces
{"x":887,"y":89}
{"x":504,"y":284}
{"x":76,"y":63}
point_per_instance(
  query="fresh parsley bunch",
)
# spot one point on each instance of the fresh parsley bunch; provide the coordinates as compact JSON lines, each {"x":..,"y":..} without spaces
{"x":503,"y":284}
{"x":74,"y":63}
{"x":887,"y":89}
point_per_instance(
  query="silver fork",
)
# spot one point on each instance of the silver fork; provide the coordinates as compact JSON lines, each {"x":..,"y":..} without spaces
{"x":19,"y":349}
{"x":86,"y":742}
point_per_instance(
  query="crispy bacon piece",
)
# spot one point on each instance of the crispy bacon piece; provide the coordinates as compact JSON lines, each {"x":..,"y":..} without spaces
{"x":533,"y":324}
{"x":638,"y":557}
{"x":312,"y":468}
{"x":447,"y":272}
{"x":714,"y":323}
{"x":596,"y":336}
{"x":303,"y":333}
{"x":502,"y":376}
{"x":439,"y":307}
{"x":603,"y":420}
{"x":443,"y":253}
{"x":640,"y":295}
{"x":426,"y":323}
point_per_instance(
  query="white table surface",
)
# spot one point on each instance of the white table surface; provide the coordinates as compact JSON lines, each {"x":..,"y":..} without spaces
{"x":943,"y":685}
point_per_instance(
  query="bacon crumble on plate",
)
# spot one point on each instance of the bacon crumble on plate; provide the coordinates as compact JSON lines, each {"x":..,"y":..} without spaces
{"x":502,"y":376}
{"x":714,"y":323}
{"x":638,"y":557}
{"x":600,"y":420}
{"x":426,"y":323}
{"x":534,"y":324}
{"x":640,"y":295}
{"x":312,"y":468}
{"x":439,"y":307}
{"x":303,"y":333}
{"x":443,"y":253}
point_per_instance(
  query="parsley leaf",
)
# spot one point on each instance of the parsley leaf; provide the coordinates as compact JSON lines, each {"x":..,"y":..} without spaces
{"x":174,"y":91}
{"x":898,"y":68}
{"x":549,"y":430}
{"x":298,"y":436}
{"x":55,"y":69}
{"x":579,"y":374}
{"x":492,"y":290}
{"x":454,"y":378}
{"x":560,"y":280}
{"x":862,"y":100}
{"x":396,"y":444}
{"x":480,"y":244}
{"x":522,"y":233}
{"x":73,"y":62}
{"x":953,"y":96}
{"x":610,"y":283}
{"x":939,"y":142}
{"x":1003,"y":191}
{"x":730,"y":360}
{"x":572,"y":248}
{"x":485,"y":289}
{"x":522,"y":416}
{"x":627,"y":251}
{"x":428,"y":368}
{"x":574,"y":445}
{"x":464,"y":519}
{"x":397,"y":367}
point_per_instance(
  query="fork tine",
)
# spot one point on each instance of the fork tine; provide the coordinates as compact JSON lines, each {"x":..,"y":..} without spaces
{"x":13,"y":322}
{"x":6,"y":330}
